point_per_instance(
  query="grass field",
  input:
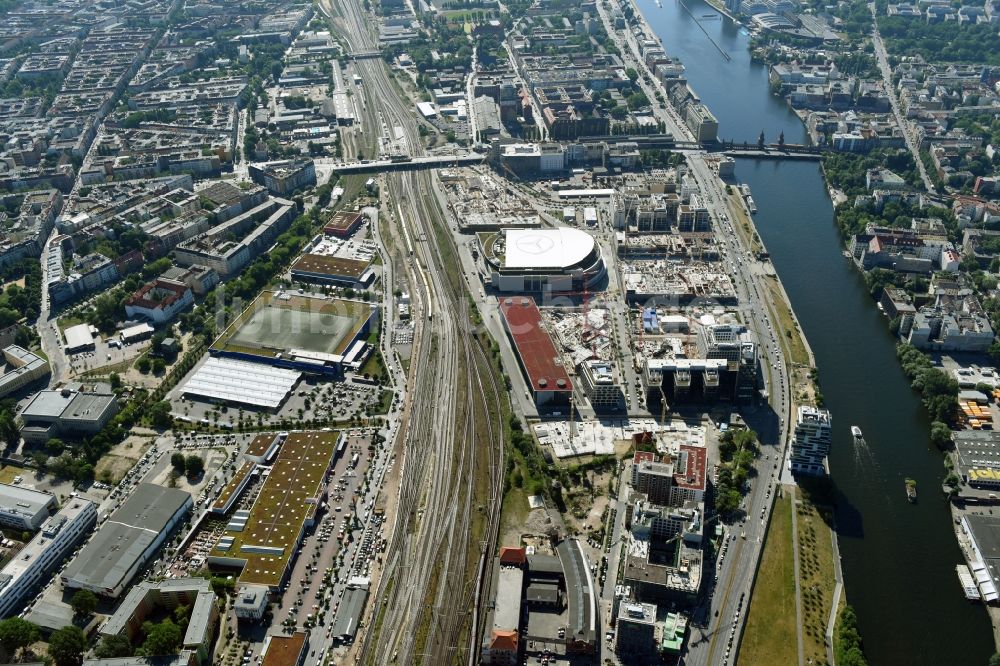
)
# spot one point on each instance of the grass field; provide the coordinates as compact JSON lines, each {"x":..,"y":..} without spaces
{"x":113,"y":468}
{"x":795,"y":350}
{"x":769,"y":637}
{"x":273,"y":324}
{"x":816,"y":570}
{"x":7,"y":473}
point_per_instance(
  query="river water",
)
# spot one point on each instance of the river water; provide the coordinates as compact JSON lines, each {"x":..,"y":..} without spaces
{"x":898,"y":559}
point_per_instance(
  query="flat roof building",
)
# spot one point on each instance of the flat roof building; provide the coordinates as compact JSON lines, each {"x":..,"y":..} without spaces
{"x":977,"y":458}
{"x":25,"y":368}
{"x":262,"y":542}
{"x":241,"y":382}
{"x":78,"y":338}
{"x":339,"y":271}
{"x":31,"y":567}
{"x":286,"y":650}
{"x":23,"y":508}
{"x":343,"y":224}
{"x":352,"y":607}
{"x":148,"y":597}
{"x":127,"y":540}
{"x":810,"y":441}
{"x":69,"y":412}
{"x":547,"y":379}
{"x":251,"y":602}
{"x":283,"y":178}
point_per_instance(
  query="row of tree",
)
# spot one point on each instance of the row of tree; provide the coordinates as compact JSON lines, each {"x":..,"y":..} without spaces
{"x":847,"y":647}
{"x":938,"y":391}
{"x":737,"y":450}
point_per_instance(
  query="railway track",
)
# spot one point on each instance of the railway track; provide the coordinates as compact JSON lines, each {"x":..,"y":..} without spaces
{"x":426,"y":605}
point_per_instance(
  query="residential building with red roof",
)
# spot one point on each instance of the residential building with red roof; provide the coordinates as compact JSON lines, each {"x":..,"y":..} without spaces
{"x":159,"y":300}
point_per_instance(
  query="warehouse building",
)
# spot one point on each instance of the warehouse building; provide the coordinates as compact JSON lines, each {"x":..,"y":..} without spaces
{"x":23,"y":369}
{"x":23,"y":508}
{"x":34,"y":563}
{"x":79,"y":338}
{"x":337,"y":271}
{"x":127,"y":541}
{"x":352,"y":607}
{"x":343,"y":224}
{"x":233,"y":381}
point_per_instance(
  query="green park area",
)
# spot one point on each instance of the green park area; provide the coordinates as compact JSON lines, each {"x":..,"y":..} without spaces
{"x":769,"y":636}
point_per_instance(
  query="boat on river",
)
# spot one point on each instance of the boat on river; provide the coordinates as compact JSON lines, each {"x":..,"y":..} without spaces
{"x":856,"y":431}
{"x":911,"y":491}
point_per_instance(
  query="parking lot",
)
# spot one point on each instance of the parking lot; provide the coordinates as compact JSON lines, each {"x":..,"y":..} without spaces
{"x":311,"y":398}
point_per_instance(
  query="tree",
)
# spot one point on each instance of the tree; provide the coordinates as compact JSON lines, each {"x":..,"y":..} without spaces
{"x":940,"y":435}
{"x":113,"y":646}
{"x":16,"y":633}
{"x":177,"y":461}
{"x":194,"y":466}
{"x":143,"y":364}
{"x":67,"y":645}
{"x":162,"y":638}
{"x":995,"y":659}
{"x":83,"y":603}
{"x":159,"y":416}
{"x":54,"y":446}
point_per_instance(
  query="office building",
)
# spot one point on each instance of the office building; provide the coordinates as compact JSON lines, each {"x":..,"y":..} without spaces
{"x":636,"y":631}
{"x":602,"y":386}
{"x":251,"y":602}
{"x":23,"y":508}
{"x":23,"y":369}
{"x":32,"y":566}
{"x":655,"y":479}
{"x":810,"y":441}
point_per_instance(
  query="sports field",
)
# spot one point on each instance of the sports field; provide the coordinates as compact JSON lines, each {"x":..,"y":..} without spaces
{"x":275,"y":324}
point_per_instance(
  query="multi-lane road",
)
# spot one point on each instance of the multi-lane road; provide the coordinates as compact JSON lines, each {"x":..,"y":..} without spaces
{"x":718,"y":623}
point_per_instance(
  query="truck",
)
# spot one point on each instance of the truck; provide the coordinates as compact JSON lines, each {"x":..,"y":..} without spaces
{"x":354,"y":460}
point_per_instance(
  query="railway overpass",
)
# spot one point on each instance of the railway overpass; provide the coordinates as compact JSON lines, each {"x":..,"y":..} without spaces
{"x":409,"y":164}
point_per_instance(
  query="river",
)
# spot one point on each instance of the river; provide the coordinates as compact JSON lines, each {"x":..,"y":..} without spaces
{"x":898,"y":559}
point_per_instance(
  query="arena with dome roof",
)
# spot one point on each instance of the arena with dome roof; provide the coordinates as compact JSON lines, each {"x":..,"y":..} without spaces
{"x":542,"y":260}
